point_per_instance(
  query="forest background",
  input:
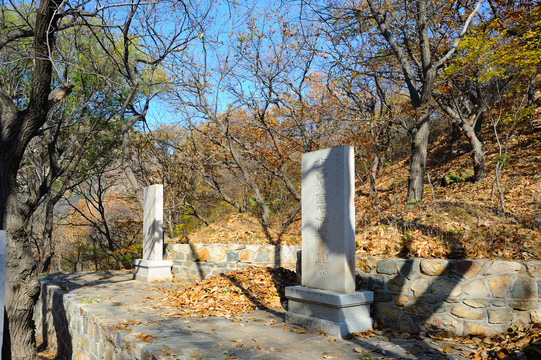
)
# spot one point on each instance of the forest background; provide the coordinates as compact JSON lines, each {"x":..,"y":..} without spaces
{"x":439,"y":98}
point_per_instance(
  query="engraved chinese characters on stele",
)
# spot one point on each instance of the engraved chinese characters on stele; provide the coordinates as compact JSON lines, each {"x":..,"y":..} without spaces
{"x":328,"y":245}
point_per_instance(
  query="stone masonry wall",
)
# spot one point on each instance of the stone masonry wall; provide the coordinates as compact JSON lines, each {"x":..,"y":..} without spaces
{"x":67,"y":326}
{"x":457,"y":296}
{"x":200,"y":261}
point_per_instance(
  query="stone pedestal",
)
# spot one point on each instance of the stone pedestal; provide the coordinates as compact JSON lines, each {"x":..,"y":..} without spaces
{"x":152,"y":270}
{"x":3,"y":254}
{"x":337,"y":314}
{"x":327,"y":300}
{"x":152,"y":267}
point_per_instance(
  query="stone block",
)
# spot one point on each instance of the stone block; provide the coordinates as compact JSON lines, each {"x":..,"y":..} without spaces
{"x":335,"y":313}
{"x":407,"y":325}
{"x":500,"y":316}
{"x":246,"y":256}
{"x":473,"y":328}
{"x":522,"y":320}
{"x":468,"y":268}
{"x":467,"y":313}
{"x":498,"y":285}
{"x":391,"y":312}
{"x":401,"y":299}
{"x":217,"y":254}
{"x":386,"y":266}
{"x":475,"y":289}
{"x":179,"y":256}
{"x":443,"y":323}
{"x":366,"y":265}
{"x":501,"y":267}
{"x":261,"y":257}
{"x":418,"y":309}
{"x":148,"y":270}
{"x":419,"y":286}
{"x":232,"y":256}
{"x":535,"y":316}
{"x":434,"y":267}
{"x":534,"y":268}
{"x":408,"y":267}
{"x":524,"y":295}
{"x":397,"y":283}
{"x":328,"y":218}
{"x":203,"y":255}
{"x":445,"y":287}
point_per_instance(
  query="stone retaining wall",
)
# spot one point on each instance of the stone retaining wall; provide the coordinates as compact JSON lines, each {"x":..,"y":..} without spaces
{"x":200,"y":261}
{"x":457,"y":296}
{"x":67,"y":327}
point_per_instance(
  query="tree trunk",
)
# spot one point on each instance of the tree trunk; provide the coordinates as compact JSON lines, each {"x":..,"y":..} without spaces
{"x":22,"y":294}
{"x":373,"y":174}
{"x":419,"y":147}
{"x":477,"y":155}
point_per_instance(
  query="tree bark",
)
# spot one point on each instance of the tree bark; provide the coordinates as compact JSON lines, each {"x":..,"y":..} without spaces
{"x":17,"y":128}
{"x":22,"y":292}
{"x":419,"y":147}
{"x":477,"y":155}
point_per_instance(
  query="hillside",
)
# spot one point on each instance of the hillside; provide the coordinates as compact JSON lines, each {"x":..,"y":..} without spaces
{"x":465,"y":220}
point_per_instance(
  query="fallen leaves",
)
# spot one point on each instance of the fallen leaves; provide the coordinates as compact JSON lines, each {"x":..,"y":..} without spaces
{"x":514,"y":344}
{"x":230,"y":294}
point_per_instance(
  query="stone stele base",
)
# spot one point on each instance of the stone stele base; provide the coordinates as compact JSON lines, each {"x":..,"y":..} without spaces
{"x":152,"y":270}
{"x":337,"y":314}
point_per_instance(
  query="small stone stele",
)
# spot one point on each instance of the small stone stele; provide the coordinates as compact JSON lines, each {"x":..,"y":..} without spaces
{"x":327,"y":300}
{"x":152,"y":267}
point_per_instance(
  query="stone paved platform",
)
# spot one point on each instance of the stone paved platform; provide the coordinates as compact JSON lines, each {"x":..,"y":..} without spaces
{"x":110,"y":309}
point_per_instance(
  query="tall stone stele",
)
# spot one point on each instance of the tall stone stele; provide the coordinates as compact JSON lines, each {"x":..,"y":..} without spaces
{"x":3,"y":254}
{"x":152,"y":266}
{"x":327,"y":301}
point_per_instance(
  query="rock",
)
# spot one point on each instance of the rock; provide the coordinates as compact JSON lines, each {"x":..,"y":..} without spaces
{"x":261,"y":257}
{"x":397,"y":284}
{"x":466,"y":313}
{"x":365,"y":265}
{"x":468,"y":268}
{"x":408,"y":267}
{"x":217,"y":254}
{"x":445,"y":287}
{"x":478,"y":329}
{"x":444,"y":323}
{"x":386,"y":266}
{"x":522,"y":320}
{"x":535,"y":316}
{"x":534,"y":268}
{"x":524,"y":294}
{"x":498,"y":285}
{"x":390,"y":312}
{"x":203,"y":255}
{"x":246,"y":256}
{"x":418,"y":309}
{"x":433,"y":267}
{"x":401,"y":300}
{"x":500,"y":267}
{"x":476,"y":289}
{"x":500,"y":316}
{"x":406,"y":325}
{"x":419,"y":286}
